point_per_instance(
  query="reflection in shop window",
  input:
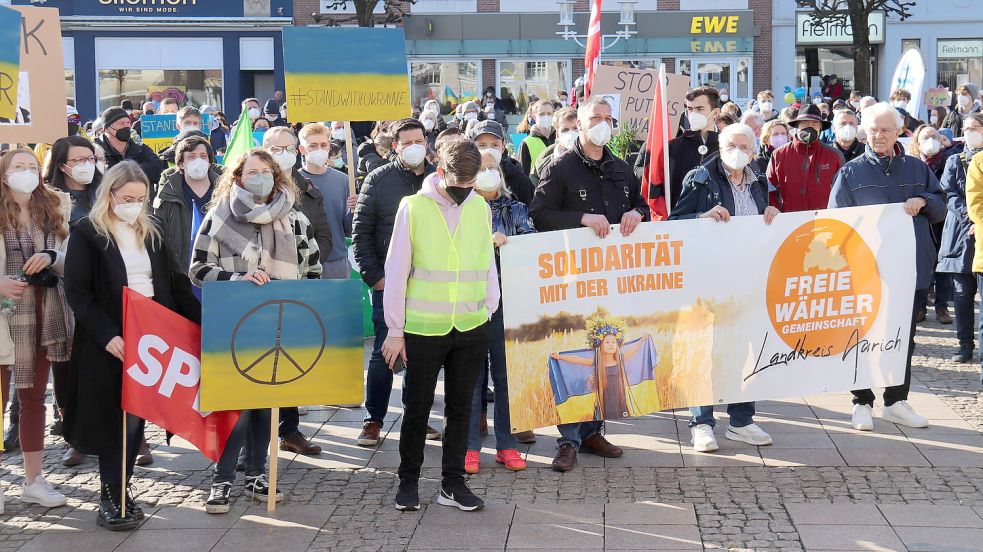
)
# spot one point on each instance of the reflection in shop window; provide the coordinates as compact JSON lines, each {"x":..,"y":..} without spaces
{"x":70,"y":86}
{"x":652,"y":64}
{"x":449,"y":83}
{"x":743,"y":80}
{"x":189,"y":87}
{"x":520,"y":82}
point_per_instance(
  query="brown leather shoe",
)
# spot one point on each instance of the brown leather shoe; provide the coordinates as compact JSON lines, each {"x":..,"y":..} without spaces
{"x":144,"y":458}
{"x":299,"y":444}
{"x":72,"y":457}
{"x":526,"y":437}
{"x":566,"y":458}
{"x":432,"y":433}
{"x":942,"y":316}
{"x":597,"y":444}
{"x":370,"y":434}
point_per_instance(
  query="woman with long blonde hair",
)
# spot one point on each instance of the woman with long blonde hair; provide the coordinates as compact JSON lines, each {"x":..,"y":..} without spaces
{"x":35,"y":325}
{"x":116,"y":246}
{"x":252,"y":233}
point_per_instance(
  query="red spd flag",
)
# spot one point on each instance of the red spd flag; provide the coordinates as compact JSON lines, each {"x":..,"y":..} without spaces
{"x":161,"y":372}
{"x":592,"y":54}
{"x":655,"y":177}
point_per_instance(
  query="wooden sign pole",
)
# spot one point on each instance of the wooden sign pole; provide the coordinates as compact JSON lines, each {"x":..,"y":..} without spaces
{"x":122,"y":494}
{"x":274,"y":448}
{"x":350,"y":153}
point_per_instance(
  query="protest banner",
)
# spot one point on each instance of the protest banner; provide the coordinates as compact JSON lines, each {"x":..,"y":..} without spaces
{"x":370,"y":83}
{"x":910,"y":75}
{"x":286,"y":343}
{"x":634,"y":90}
{"x":938,"y":97}
{"x":40,"y":116}
{"x":162,"y":372}
{"x":10,"y":33}
{"x":689,"y":313}
{"x":158,"y":131}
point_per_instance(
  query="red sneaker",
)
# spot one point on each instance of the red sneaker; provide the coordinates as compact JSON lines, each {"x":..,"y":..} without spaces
{"x":472,"y":461}
{"x":511,"y":458}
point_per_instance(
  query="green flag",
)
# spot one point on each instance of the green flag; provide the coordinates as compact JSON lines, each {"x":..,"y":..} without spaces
{"x":242,"y":139}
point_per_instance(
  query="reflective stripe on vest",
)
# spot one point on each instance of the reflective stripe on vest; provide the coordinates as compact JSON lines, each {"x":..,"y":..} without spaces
{"x":536,"y":147}
{"x":449,"y":273}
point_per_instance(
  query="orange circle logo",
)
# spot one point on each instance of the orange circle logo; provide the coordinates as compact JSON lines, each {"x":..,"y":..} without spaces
{"x":823,"y":286}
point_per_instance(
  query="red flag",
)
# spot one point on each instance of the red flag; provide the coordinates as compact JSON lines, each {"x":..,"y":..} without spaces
{"x":162,"y":369}
{"x":656,"y":171}
{"x":592,"y":54}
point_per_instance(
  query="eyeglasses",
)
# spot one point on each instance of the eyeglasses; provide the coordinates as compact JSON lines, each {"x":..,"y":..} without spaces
{"x":254,"y":172}
{"x":882,"y":131}
{"x":80,"y":160}
{"x":280,"y":149}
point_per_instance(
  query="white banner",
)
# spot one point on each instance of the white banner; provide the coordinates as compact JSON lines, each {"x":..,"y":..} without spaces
{"x":696,"y":312}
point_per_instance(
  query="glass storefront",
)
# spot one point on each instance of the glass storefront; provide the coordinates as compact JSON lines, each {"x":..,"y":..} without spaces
{"x":195,"y":87}
{"x":834,"y":60}
{"x":449,"y":82}
{"x":959,"y":61}
{"x":734,"y":74}
{"x":522,"y":82}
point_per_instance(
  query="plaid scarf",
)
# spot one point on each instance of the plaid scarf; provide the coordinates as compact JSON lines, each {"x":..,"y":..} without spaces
{"x":50,"y":318}
{"x":261,"y":231}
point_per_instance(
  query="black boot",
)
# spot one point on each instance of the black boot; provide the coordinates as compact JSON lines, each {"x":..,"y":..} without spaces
{"x":109,"y":510}
{"x":132,"y":508}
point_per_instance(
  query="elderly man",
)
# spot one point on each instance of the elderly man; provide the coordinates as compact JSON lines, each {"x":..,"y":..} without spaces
{"x":803,"y":171}
{"x":884,"y":174}
{"x":754,"y":121}
{"x":845,"y":132}
{"x":721,"y":188}
{"x":588,"y":186}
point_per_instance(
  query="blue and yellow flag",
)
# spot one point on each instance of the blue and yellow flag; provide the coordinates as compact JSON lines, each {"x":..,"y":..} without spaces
{"x":10,"y":35}
{"x":451,"y":96}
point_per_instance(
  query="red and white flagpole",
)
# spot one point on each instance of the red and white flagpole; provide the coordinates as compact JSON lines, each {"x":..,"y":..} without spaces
{"x":592,"y":53}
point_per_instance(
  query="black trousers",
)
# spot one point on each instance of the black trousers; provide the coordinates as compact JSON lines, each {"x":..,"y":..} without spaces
{"x":111,"y":465}
{"x":898,"y":392}
{"x":289,"y":421}
{"x":463,"y":356}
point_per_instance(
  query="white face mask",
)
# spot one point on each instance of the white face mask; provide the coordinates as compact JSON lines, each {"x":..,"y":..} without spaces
{"x":973,"y":138}
{"x":846,"y":133}
{"x":930,"y":146}
{"x":489,"y":180}
{"x":470,"y":116}
{"x":190,"y":128}
{"x":900,"y":103}
{"x":84,"y":173}
{"x":600,"y":134}
{"x":254,"y":113}
{"x":856,"y":104}
{"x":413,"y":155}
{"x":23,"y":181}
{"x":735,"y":158}
{"x":765,"y":107}
{"x":933,"y":119}
{"x":495,"y":153}
{"x":286,"y":160}
{"x":544,"y":122}
{"x":817,"y":101}
{"x":338,"y":134}
{"x":128,"y":212}
{"x":428,"y":124}
{"x":196,"y":169}
{"x":964,"y":100}
{"x":724,"y":98}
{"x":568,"y":138}
{"x":697,"y":121}
{"x":318,"y":157}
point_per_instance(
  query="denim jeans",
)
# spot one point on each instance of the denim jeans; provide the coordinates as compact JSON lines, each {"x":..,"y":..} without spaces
{"x":964,"y":303}
{"x":461,"y":355}
{"x":379,"y":381}
{"x":897,"y":393}
{"x":576,"y":433}
{"x":504,"y":439}
{"x":253,"y":432}
{"x":741,"y":414}
{"x":943,"y":290}
{"x":289,"y":421}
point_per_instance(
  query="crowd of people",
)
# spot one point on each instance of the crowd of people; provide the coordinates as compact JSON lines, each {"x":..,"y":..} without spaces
{"x":439,"y":195}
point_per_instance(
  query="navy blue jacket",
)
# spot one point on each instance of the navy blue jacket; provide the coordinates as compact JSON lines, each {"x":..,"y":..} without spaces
{"x":707,"y":186}
{"x":957,"y":249}
{"x":874,"y":180}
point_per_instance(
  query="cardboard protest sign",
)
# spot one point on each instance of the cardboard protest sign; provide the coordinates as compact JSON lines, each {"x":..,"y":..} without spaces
{"x":938,"y":97}
{"x":40,"y":116}
{"x":158,"y":131}
{"x":633,"y":90}
{"x":285,"y":343}
{"x":690,"y":313}
{"x":366,"y":80}
{"x":10,"y":33}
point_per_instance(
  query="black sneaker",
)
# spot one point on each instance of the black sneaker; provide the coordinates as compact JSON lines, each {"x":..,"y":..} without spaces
{"x":257,"y":487}
{"x":461,"y":497}
{"x":407,"y":497}
{"x":218,"y":500}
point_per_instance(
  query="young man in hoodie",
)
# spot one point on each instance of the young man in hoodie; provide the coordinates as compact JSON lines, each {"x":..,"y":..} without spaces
{"x":803,"y":171}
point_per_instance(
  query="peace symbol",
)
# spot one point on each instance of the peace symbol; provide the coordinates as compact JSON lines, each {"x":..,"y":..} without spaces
{"x":285,"y":368}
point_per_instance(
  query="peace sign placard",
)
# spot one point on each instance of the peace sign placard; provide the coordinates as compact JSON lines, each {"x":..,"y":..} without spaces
{"x":286,"y":343}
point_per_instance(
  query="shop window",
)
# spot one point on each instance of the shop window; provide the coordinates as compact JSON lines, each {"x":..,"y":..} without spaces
{"x":909,"y":43}
{"x":70,"y":86}
{"x":447,"y":82}
{"x":195,"y":87}
{"x":652,"y":64}
{"x":743,"y":84}
{"x":521,"y":82}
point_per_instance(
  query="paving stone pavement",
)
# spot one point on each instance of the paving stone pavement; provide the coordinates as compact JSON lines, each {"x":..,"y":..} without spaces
{"x":821,"y":486}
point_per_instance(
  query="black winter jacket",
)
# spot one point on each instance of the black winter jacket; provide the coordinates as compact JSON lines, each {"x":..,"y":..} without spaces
{"x":152,"y":165}
{"x":173,"y":213}
{"x":684,"y":156}
{"x":517,"y":179}
{"x":708,"y":186}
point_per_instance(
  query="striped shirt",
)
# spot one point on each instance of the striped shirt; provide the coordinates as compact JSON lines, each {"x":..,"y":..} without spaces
{"x":744,"y":204}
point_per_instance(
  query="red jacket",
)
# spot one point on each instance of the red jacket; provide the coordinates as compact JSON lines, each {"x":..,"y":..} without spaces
{"x":803,"y":175}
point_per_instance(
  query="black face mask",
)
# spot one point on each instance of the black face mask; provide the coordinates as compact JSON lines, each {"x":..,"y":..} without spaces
{"x":123,"y":134}
{"x":73,"y":129}
{"x":148,"y":112}
{"x":457,"y":193}
{"x":807,"y":135}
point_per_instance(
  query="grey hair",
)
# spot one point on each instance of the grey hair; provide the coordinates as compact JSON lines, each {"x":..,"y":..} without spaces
{"x":867,"y":101}
{"x":752,"y":115}
{"x":729,"y":132}
{"x":878,"y":109}
{"x":839,"y":114}
{"x":590,"y":102}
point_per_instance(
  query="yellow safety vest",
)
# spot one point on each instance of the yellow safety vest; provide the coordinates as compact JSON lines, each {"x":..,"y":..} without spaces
{"x":536,"y":147}
{"x":449,"y":273}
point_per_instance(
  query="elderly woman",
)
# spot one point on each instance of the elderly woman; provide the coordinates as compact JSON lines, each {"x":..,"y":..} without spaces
{"x":774,"y":134}
{"x":883,"y":174}
{"x":721,"y":188}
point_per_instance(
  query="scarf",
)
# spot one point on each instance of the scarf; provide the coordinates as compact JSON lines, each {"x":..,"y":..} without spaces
{"x":262,"y":232}
{"x":34,"y":327}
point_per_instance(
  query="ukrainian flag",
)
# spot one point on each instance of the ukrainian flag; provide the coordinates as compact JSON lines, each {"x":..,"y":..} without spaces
{"x":345,"y":73}
{"x":10,"y":34}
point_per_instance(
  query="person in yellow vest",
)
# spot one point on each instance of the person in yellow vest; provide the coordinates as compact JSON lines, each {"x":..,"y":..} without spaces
{"x":541,"y":135}
{"x":441,"y":289}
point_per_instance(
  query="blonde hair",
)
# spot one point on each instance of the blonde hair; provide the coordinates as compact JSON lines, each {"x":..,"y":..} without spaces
{"x":768,"y":128}
{"x":115,"y":178}
{"x":274,"y":133}
{"x":233,"y":174}
{"x":312,"y":129}
{"x":913,"y":146}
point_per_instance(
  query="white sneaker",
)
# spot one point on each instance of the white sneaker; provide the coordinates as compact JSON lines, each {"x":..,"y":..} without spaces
{"x":901,"y":413}
{"x":43,"y":493}
{"x":863,"y":417}
{"x":302,"y":411}
{"x":703,"y":439}
{"x":751,"y":434}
